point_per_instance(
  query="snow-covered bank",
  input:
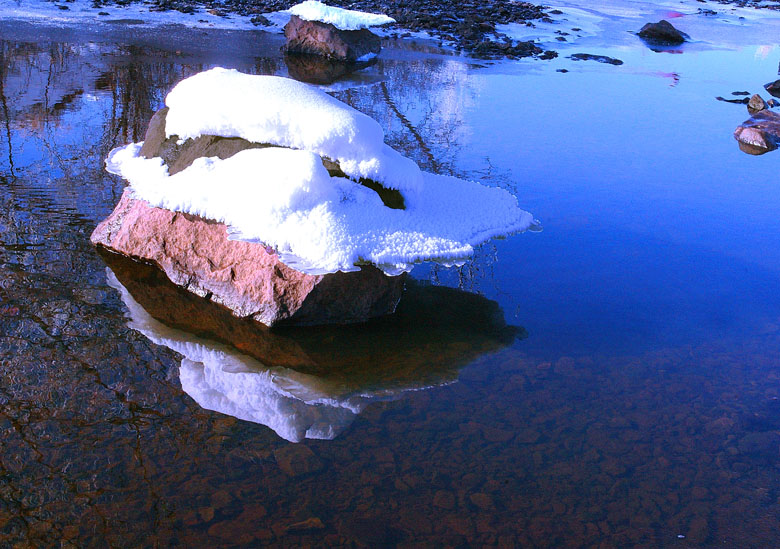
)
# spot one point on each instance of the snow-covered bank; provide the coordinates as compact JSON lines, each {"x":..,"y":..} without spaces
{"x":285,"y":198}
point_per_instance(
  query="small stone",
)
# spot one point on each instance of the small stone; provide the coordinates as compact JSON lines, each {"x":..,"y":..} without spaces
{"x":756,"y":104}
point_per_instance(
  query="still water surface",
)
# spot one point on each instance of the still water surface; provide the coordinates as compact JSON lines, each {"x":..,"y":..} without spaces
{"x":612,"y":380}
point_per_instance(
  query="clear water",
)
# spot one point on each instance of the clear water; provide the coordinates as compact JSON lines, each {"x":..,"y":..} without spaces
{"x":637,"y":405}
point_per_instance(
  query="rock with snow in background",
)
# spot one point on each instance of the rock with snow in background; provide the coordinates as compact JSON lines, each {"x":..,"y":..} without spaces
{"x":331,"y":32}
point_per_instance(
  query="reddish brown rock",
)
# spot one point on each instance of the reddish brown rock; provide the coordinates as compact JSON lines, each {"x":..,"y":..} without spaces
{"x":196,"y":254}
{"x":759,"y":134}
{"x":317,"y":38}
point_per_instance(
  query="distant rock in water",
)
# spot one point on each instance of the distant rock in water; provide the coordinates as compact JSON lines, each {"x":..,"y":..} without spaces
{"x":592,"y":57}
{"x":773,"y":88}
{"x":662,"y":32}
{"x":324,"y":39}
{"x":760,"y":134}
{"x":756,"y":104}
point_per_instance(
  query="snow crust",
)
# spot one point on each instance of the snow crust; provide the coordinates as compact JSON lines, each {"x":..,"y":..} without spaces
{"x":285,"y":112}
{"x":285,"y":198}
{"x":219,"y":378}
{"x":312,"y":10}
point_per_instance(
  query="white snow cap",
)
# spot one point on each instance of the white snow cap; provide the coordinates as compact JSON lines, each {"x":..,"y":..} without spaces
{"x":285,"y":112}
{"x":285,"y":198}
{"x":312,"y":10}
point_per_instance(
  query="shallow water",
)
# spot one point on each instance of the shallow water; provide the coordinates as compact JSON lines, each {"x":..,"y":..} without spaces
{"x":634,"y":403}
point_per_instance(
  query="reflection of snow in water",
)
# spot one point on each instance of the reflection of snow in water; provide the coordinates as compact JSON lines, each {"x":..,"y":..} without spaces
{"x":219,"y":378}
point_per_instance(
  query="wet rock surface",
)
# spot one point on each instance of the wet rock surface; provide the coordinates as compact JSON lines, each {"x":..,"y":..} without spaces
{"x":760,"y":134}
{"x":244,"y":277}
{"x":325,"y":40}
{"x":663,"y":33}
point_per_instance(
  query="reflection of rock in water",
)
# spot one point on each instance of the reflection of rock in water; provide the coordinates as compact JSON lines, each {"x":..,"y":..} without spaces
{"x":314,"y":69}
{"x":310,"y":382}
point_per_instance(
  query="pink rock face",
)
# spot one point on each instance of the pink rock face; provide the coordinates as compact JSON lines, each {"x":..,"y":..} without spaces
{"x":196,"y":254}
{"x":314,"y":37}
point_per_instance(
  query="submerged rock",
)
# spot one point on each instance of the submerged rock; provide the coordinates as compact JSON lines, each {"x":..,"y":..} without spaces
{"x":324,"y":39}
{"x":662,"y":32}
{"x":245,"y":277}
{"x":760,"y":134}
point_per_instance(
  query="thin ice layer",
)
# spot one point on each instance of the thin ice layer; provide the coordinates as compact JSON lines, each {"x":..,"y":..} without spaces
{"x":282,"y":111}
{"x":312,"y":10}
{"x":286,"y":199}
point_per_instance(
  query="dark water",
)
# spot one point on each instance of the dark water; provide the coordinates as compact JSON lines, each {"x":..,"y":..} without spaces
{"x":630,"y":398}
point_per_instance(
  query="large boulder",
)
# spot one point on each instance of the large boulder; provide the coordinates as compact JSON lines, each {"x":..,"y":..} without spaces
{"x":317,"y":38}
{"x":247,"y":278}
{"x":760,"y":134}
{"x":662,"y":32}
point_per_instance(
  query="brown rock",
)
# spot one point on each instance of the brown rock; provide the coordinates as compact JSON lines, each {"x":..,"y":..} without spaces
{"x":760,"y":133}
{"x":756,"y":104}
{"x":178,"y":156}
{"x":296,"y":460}
{"x":314,"y":37}
{"x":773,"y":88}
{"x":246,"y":278}
{"x":662,"y":32}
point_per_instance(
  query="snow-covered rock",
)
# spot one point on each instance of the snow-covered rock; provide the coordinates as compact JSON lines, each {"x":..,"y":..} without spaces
{"x":286,"y":199}
{"x":342,"y":19}
{"x":325,"y":40}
